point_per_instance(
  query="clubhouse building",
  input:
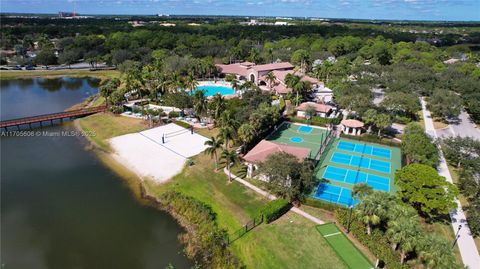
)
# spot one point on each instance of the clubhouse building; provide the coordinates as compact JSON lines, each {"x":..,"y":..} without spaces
{"x":258,"y":75}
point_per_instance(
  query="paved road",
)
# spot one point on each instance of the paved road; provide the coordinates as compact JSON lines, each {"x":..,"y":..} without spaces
{"x":466,"y":244}
{"x":465,"y":127}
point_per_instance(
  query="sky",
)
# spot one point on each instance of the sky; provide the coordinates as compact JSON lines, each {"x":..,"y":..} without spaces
{"x":455,"y":10}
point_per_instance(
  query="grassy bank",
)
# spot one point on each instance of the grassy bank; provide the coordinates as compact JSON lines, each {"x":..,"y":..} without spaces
{"x":290,"y":242}
{"x":106,"y":125}
{"x":4,"y":74}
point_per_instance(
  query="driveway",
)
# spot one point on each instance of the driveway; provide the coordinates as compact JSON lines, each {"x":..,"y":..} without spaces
{"x":464,"y":127}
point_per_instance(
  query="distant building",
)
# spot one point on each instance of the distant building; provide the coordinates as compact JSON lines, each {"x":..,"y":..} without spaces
{"x":264,"y":149}
{"x":321,"y":110}
{"x":257,"y":74}
{"x":67,"y":14}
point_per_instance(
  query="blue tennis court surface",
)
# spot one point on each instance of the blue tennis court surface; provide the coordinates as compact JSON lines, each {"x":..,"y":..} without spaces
{"x":296,"y":139}
{"x":364,"y":162}
{"x":335,"y":194}
{"x":355,"y":177}
{"x":364,"y":149}
{"x":305,"y":129}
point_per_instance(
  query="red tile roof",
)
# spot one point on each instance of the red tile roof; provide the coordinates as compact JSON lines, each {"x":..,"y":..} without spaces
{"x":237,"y":69}
{"x":274,"y":66}
{"x":265,"y":148}
{"x":318,"y":107}
{"x":352,"y":123}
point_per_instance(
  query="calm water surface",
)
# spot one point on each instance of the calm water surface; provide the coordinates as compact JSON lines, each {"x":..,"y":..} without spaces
{"x":60,"y":207}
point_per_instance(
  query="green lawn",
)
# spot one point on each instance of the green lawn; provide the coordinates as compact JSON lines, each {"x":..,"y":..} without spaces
{"x":290,"y":242}
{"x":352,"y":257}
{"x":58,"y":73}
{"x":106,"y":125}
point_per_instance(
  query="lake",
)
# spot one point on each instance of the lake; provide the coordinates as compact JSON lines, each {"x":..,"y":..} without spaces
{"x":60,"y":207}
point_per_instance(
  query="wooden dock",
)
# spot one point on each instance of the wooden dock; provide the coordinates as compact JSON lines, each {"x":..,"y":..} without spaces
{"x":51,"y":117}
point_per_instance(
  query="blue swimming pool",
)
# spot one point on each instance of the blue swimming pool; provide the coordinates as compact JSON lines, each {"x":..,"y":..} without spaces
{"x":211,"y":90}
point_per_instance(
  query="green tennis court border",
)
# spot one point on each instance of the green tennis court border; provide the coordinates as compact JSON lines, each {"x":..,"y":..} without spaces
{"x":311,"y":140}
{"x":351,"y":256}
{"x":395,"y":163}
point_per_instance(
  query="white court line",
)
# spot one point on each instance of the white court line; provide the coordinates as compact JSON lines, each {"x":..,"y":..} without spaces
{"x":327,"y":235}
{"x":340,"y":195}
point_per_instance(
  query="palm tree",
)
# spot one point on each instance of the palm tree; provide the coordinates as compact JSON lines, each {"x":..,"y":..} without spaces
{"x":108,"y":87}
{"x":248,"y":85}
{"x":436,"y":252}
{"x":190,"y":82}
{"x":218,"y":106}
{"x":228,"y":134}
{"x":214,"y":145}
{"x":361,"y":190}
{"x":246,"y":133}
{"x":231,"y":158}
{"x":227,"y":119}
{"x":271,"y":78}
{"x":404,"y":233}
{"x":373,"y":209}
{"x":200,"y":104}
{"x":270,"y":54}
{"x":235,"y":85}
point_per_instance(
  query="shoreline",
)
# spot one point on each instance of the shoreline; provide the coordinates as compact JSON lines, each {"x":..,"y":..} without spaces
{"x":137,"y":185}
{"x":77,"y":73}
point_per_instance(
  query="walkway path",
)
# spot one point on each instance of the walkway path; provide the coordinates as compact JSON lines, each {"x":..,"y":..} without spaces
{"x":272,"y":197}
{"x":465,"y":127}
{"x":466,"y":244}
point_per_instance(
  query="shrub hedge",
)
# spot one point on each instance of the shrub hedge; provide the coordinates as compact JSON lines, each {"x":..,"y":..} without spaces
{"x":320,"y":204}
{"x":377,"y":242}
{"x":205,"y":240}
{"x":275,"y":209}
{"x":182,"y":124}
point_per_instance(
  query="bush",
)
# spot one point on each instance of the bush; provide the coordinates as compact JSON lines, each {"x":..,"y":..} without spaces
{"x":182,"y":124}
{"x":173,"y":114}
{"x":205,"y":240}
{"x":282,"y":104}
{"x":321,"y":204}
{"x":116,"y":109}
{"x":275,"y":209}
{"x":377,"y":242}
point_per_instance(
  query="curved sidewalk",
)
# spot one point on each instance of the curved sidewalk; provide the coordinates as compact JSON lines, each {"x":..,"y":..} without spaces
{"x":466,"y":244}
{"x":272,"y":197}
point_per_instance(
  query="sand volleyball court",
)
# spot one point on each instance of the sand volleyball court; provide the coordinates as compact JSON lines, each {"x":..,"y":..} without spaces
{"x":148,"y":155}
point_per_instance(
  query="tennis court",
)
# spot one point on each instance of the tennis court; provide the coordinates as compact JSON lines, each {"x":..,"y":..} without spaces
{"x":354,"y":177}
{"x":299,"y":135}
{"x":365,"y":149}
{"x":345,"y":249}
{"x":363,"y":162}
{"x":335,"y":194}
{"x":349,"y":162}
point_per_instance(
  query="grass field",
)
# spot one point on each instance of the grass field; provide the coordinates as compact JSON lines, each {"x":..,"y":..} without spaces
{"x":106,"y":125}
{"x":290,"y":242}
{"x":351,"y":256}
{"x":58,"y":73}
